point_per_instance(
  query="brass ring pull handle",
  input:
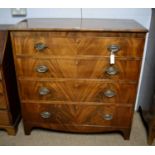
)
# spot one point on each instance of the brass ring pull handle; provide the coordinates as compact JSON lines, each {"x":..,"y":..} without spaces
{"x":40,"y":46}
{"x":42,"y":69}
{"x":107,"y":117}
{"x":44,"y":91}
{"x":109,"y":93}
{"x":45,"y":114}
{"x":111,"y":70}
{"x":114,"y":48}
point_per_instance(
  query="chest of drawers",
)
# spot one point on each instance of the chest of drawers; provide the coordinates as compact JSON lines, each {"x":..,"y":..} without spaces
{"x":9,"y":101}
{"x":65,"y":79}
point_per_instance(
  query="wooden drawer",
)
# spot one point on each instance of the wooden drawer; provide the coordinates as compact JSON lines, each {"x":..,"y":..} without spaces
{"x":4,"y":117}
{"x":58,"y":44}
{"x":78,"y":90}
{"x":3,"y":104}
{"x":83,"y":114}
{"x":1,"y":88}
{"x":78,"y":68}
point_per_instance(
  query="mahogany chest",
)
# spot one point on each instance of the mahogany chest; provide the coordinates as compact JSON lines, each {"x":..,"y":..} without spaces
{"x":78,"y":75}
{"x":9,"y":101}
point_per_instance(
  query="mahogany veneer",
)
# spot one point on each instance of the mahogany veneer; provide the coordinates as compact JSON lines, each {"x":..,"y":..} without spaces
{"x":65,"y":79}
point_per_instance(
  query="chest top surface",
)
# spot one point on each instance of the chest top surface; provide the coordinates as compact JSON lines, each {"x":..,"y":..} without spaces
{"x":68,"y":24}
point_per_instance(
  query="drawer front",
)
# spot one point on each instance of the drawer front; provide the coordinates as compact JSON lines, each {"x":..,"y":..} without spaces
{"x":3,"y":104}
{"x":78,"y":114}
{"x":1,"y":88}
{"x":47,"y":43}
{"x":4,"y":117}
{"x":78,"y":90}
{"x":78,"y":68}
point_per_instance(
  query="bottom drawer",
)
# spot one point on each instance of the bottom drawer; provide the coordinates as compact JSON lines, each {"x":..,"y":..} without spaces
{"x":4,"y":118}
{"x":78,"y":114}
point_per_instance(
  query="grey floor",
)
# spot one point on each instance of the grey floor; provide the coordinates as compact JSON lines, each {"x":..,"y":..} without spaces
{"x":44,"y":137}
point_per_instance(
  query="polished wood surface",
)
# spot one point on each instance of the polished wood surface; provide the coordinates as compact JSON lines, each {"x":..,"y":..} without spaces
{"x":4,"y":118}
{"x":28,"y":126}
{"x":75,"y":114}
{"x":78,"y":118}
{"x":9,"y":101}
{"x":3,"y":41}
{"x":61,"y":69}
{"x":77,"y":91}
{"x":1,"y":88}
{"x":112,"y":25}
{"x":0,"y":74}
{"x":3,"y":104}
{"x":62,"y":44}
{"x":77,"y":68}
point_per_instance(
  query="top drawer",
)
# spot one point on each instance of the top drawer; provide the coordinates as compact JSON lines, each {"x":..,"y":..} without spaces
{"x":63,"y":44}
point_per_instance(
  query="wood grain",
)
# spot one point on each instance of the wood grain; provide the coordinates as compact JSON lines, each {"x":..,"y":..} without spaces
{"x":9,"y":100}
{"x":73,"y":114}
{"x":0,"y":75}
{"x":74,"y":90}
{"x":3,"y":104}
{"x":78,"y":68}
{"x":1,"y":88}
{"x":4,"y":117}
{"x":68,"y":24}
{"x":28,"y":126}
{"x":3,"y":42}
{"x":9,"y":82}
{"x":77,"y":57}
{"x":24,"y":43}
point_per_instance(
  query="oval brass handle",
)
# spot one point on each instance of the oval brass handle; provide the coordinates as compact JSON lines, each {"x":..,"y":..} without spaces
{"x":107,"y":117}
{"x":42,"y":69}
{"x":112,"y":70}
{"x":40,"y":46}
{"x":44,"y":91}
{"x":114,"y":48}
{"x":45,"y":114}
{"x":109,"y":93}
